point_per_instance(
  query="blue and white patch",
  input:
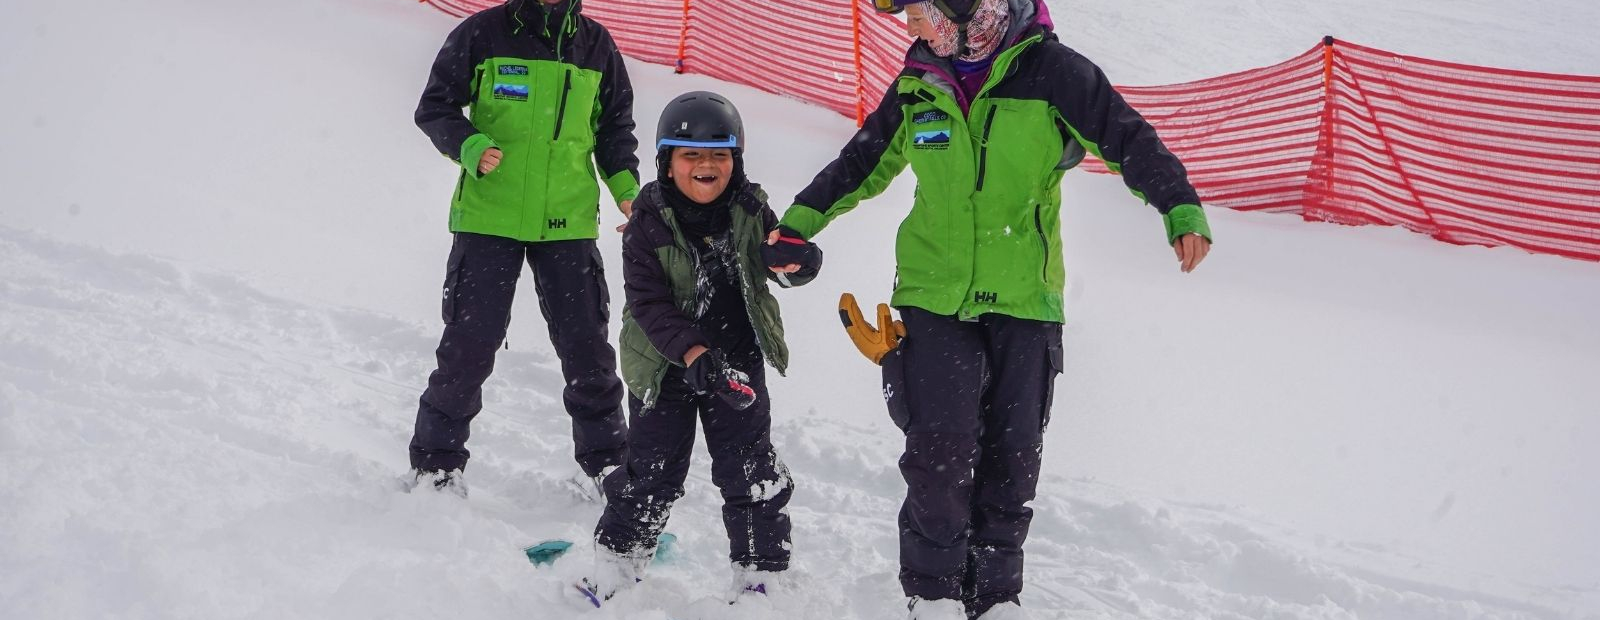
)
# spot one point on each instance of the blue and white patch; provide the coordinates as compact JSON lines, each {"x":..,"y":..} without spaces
{"x":514,"y":92}
{"x":513,"y":70}
{"x":934,"y":139}
{"x":931,"y":130}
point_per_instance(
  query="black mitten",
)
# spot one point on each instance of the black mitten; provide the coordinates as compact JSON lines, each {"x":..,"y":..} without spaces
{"x":711,"y":374}
{"x":791,"y":249}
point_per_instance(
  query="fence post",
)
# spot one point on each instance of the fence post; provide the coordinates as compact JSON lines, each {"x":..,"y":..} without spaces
{"x":683,"y":40}
{"x":861,"y":76}
{"x":1320,"y":192}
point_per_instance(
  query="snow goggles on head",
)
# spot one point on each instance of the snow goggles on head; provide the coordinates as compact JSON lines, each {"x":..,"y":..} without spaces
{"x":895,"y":6}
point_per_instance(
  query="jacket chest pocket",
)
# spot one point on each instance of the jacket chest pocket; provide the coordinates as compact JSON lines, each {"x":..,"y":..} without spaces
{"x":936,"y":146}
{"x":505,"y":88}
{"x":1017,"y":146}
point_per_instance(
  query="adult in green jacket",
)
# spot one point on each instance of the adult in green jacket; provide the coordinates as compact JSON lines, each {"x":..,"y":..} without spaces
{"x":989,"y":112}
{"x":549,"y":98}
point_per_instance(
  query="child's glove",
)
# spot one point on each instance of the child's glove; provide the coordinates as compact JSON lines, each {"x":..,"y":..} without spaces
{"x":791,"y":249}
{"x":711,"y":374}
{"x":873,"y":343}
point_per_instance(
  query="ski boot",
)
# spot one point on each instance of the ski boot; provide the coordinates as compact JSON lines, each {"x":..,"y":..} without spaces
{"x":450,"y":482}
{"x":936,"y":609}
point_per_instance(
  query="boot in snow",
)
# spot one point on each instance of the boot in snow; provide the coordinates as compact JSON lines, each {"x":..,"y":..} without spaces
{"x":1006,"y":611}
{"x":591,"y":488}
{"x":613,"y":572}
{"x":937,"y":609}
{"x":450,"y":482}
{"x":750,"y":585}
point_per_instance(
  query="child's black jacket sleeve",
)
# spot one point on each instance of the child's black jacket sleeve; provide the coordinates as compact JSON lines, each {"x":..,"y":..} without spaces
{"x":647,"y":289}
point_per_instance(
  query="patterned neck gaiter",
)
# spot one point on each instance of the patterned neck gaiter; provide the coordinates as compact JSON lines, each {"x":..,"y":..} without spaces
{"x":985,"y":33}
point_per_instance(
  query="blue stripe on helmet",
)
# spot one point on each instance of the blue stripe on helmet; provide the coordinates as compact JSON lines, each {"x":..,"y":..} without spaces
{"x":731,"y":143}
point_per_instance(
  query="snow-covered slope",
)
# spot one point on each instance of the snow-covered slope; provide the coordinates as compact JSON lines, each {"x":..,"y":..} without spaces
{"x":178,"y":444}
{"x":1322,"y":423}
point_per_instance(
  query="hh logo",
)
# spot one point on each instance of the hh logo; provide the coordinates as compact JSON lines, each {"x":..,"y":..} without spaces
{"x":985,"y":297}
{"x":557,"y":223}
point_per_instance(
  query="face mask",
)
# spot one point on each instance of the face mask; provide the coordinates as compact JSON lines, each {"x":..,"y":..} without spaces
{"x":985,"y":32}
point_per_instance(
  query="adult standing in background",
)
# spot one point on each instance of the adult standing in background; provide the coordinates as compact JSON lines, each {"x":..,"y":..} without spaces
{"x":549,"y":98}
{"x":989,"y":113}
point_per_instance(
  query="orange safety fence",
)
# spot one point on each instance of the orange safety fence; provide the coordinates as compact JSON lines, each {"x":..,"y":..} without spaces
{"x":829,"y":52}
{"x":1341,"y":133}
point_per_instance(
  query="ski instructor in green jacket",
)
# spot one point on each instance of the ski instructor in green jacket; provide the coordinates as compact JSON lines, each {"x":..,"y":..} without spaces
{"x":989,"y":112}
{"x":549,"y":99}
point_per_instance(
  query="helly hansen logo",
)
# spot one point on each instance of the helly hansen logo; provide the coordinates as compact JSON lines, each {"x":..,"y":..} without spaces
{"x":556,"y":223}
{"x":513,"y":70}
{"x":985,"y":297}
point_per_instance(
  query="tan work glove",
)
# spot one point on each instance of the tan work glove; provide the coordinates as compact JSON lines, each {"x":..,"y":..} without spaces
{"x":872,"y":342}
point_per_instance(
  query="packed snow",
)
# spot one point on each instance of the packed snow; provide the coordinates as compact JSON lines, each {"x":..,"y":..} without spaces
{"x":220,"y":245}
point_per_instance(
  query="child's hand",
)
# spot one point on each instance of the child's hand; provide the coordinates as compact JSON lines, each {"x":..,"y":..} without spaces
{"x":489,"y":161}
{"x":693,"y":354}
{"x":794,"y":249}
{"x":1191,"y":249}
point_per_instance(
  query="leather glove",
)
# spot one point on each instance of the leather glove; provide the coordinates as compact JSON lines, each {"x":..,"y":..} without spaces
{"x":872,"y":342}
{"x":792,"y":249}
{"x":711,"y":374}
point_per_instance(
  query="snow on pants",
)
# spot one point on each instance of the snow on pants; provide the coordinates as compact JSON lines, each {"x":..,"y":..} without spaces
{"x":755,"y":485}
{"x":479,"y":285}
{"x":973,"y":398}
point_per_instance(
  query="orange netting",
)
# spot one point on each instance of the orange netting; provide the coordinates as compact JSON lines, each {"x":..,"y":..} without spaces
{"x":1342,"y":133}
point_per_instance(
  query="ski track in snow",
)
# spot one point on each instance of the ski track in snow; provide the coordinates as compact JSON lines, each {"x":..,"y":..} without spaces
{"x":178,"y":444}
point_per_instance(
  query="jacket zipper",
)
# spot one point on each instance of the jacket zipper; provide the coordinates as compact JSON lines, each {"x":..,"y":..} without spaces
{"x":983,"y":148}
{"x":461,"y":182}
{"x":1038,"y":225}
{"x":561,"y":109}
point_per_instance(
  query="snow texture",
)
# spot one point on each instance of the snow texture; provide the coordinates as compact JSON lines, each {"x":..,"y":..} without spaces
{"x":219,"y":263}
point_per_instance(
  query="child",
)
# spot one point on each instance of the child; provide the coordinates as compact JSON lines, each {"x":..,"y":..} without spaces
{"x":699,"y":322}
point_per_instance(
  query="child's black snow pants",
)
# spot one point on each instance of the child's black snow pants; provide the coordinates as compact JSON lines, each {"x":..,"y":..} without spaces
{"x":755,"y":485}
{"x":479,"y":285}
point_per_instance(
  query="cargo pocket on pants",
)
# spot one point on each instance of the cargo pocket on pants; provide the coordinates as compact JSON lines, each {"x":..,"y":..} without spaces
{"x":1057,"y":362}
{"x":894,"y":386}
{"x":452,"y":279}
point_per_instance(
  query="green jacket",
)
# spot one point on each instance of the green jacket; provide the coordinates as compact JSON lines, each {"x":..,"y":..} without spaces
{"x":983,"y":234}
{"x":659,"y":279}
{"x":547,"y":87}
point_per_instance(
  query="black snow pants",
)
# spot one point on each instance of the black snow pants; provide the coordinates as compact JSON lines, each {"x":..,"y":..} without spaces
{"x":479,"y":285}
{"x":973,"y":398}
{"x":755,"y":485}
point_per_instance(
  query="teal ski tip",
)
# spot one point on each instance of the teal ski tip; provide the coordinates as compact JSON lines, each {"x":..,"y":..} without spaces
{"x":666,"y":548}
{"x":549,"y":551}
